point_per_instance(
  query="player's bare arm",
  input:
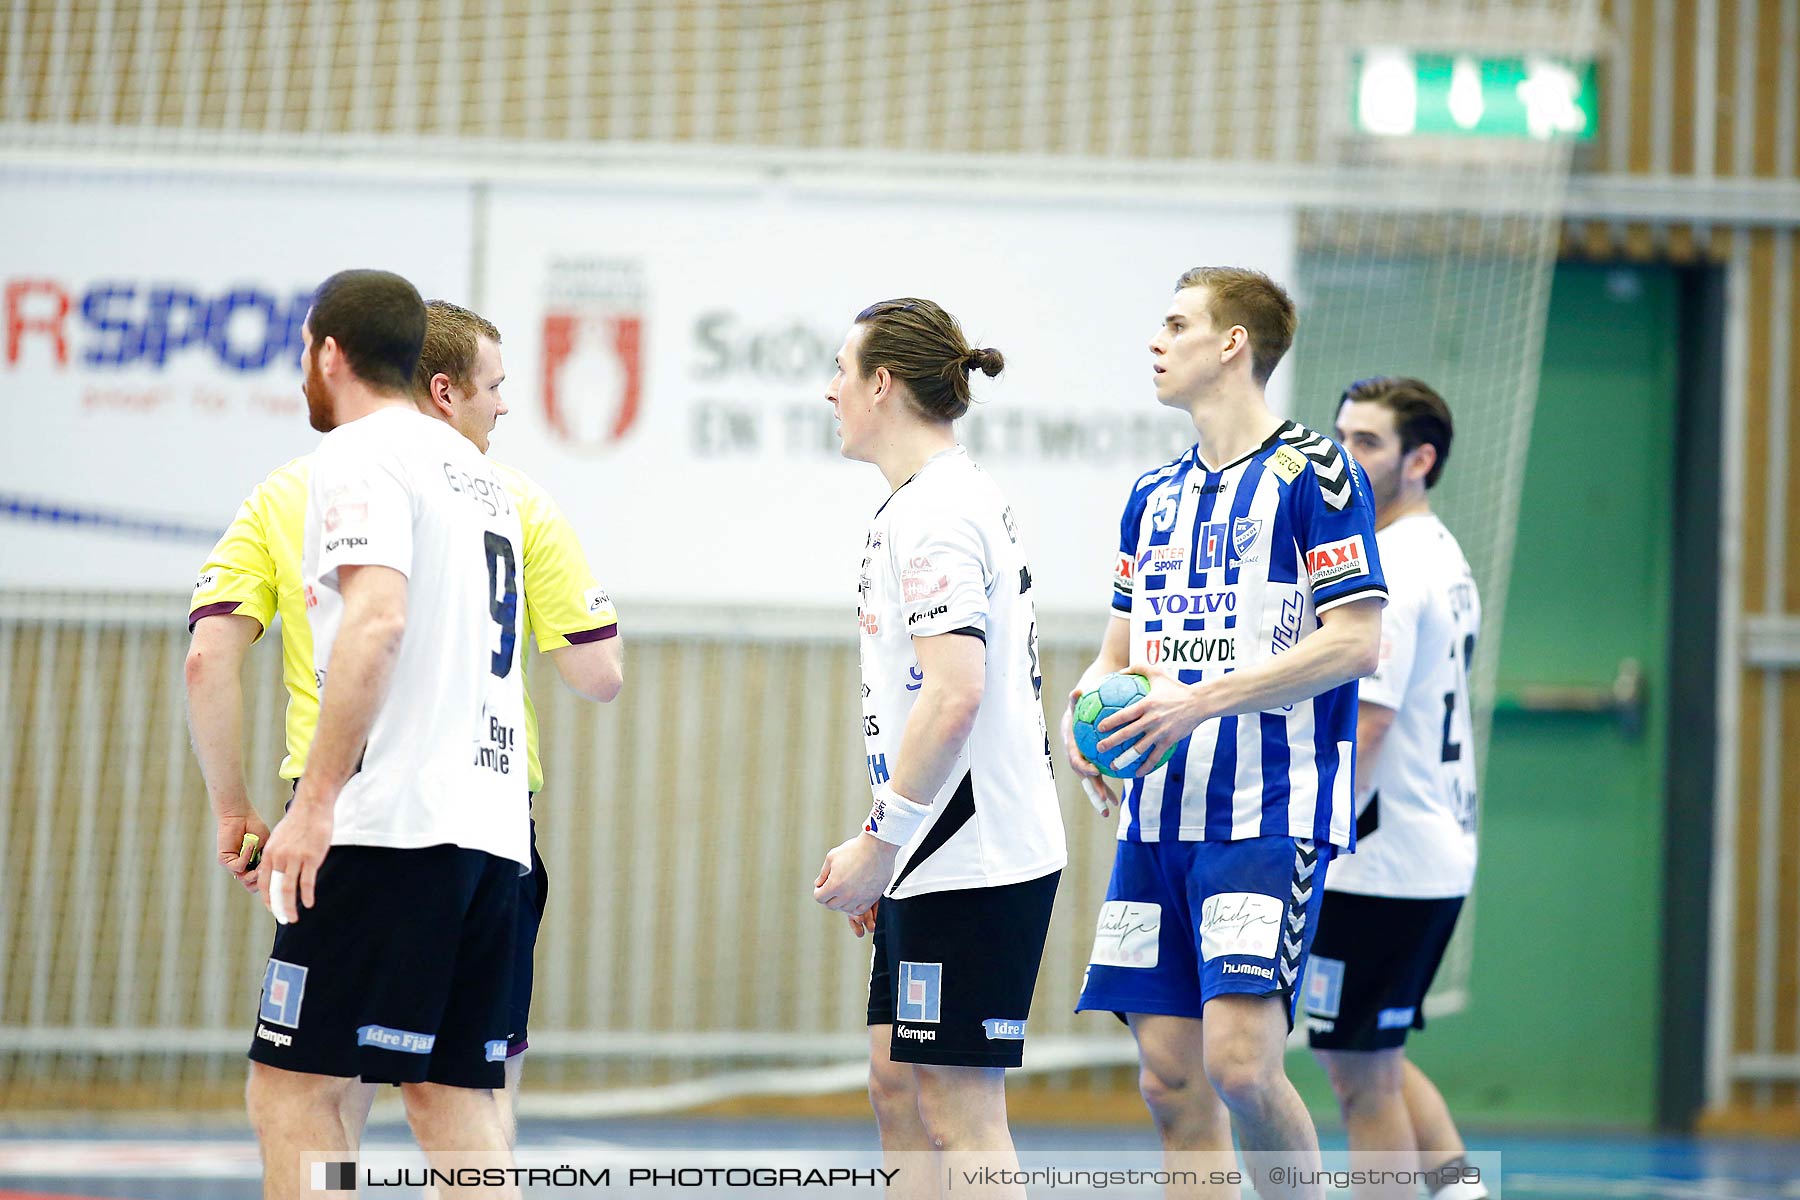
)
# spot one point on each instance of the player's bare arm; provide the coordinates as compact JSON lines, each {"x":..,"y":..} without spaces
{"x":1346,"y":646}
{"x":357,"y":677}
{"x":592,"y":670}
{"x":215,"y":695}
{"x":954,"y":667}
{"x":1372,"y":724}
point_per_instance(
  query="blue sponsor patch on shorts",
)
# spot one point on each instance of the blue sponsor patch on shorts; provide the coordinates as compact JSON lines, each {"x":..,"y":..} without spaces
{"x":1324,"y":988}
{"x":496,"y":1051}
{"x":403,"y":1041}
{"x":284,"y":987}
{"x":920,"y":988}
{"x":1001,"y":1030}
{"x":1395,"y":1018}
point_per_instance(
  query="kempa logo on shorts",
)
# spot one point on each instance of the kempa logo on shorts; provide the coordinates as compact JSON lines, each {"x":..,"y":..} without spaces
{"x":915,"y":1035}
{"x":264,"y":1033}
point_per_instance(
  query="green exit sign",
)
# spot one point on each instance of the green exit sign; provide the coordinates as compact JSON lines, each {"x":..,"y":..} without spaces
{"x":1411,"y":93}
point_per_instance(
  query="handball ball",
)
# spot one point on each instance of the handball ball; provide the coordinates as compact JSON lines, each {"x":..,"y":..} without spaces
{"x":1118,"y":690}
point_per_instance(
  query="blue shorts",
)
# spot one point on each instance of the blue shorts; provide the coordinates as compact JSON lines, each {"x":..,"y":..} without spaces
{"x":1186,"y":921}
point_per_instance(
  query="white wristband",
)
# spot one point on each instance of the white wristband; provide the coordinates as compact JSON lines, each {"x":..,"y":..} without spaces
{"x":894,"y":818}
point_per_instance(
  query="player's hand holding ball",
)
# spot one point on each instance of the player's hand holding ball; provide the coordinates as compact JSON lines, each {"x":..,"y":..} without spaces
{"x":1098,"y":794}
{"x":1135,"y":718}
{"x":295,"y":852}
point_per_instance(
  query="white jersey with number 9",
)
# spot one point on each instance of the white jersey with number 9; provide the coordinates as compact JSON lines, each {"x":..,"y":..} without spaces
{"x":446,"y":759}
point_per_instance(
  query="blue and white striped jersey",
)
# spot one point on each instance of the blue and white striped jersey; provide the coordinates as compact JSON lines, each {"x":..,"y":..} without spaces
{"x":1219,"y":570}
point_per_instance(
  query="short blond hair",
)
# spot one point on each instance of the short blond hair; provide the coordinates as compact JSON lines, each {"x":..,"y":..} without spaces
{"x":1240,"y":296}
{"x":452,"y":341}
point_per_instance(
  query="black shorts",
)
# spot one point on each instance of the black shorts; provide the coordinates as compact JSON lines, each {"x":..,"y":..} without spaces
{"x":401,"y":973}
{"x":534,"y":892}
{"x":958,"y":970}
{"x":1373,"y":960}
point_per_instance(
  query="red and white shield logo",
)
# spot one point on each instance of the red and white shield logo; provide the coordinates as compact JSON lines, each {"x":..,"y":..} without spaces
{"x":593,"y":374}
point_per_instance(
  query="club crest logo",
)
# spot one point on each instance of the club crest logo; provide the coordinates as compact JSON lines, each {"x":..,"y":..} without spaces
{"x":593,"y":350}
{"x":1244,"y":532}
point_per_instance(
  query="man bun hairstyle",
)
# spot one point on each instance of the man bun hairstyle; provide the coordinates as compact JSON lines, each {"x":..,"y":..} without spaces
{"x":923,"y":346}
{"x":378,"y":321}
{"x":1240,"y":296}
{"x":452,"y":341}
{"x":1421,"y":417}
{"x":987,"y":360}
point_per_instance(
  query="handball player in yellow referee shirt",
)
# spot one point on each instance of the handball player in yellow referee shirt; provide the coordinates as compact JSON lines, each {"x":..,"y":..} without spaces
{"x":253,"y":575}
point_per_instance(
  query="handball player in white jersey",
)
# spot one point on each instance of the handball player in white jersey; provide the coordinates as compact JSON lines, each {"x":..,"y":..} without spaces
{"x":395,"y":873}
{"x":1390,"y":907}
{"x":963,"y":846}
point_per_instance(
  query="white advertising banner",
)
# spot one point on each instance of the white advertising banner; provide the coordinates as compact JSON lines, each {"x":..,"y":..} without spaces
{"x":150,"y":362}
{"x":668,"y":353}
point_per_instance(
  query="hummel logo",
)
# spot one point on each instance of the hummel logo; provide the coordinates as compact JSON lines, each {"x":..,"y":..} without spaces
{"x":1329,"y":467}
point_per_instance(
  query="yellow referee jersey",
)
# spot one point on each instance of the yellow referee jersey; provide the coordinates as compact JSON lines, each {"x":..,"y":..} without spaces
{"x":254,"y":571}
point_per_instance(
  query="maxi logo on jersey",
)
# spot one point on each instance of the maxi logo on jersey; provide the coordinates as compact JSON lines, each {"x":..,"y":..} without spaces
{"x":1337,"y":560}
{"x":122,"y":323}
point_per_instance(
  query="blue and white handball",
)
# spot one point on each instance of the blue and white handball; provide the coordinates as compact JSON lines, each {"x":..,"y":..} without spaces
{"x":1117,"y":691}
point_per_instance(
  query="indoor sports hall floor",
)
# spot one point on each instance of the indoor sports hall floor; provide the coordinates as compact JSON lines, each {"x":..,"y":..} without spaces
{"x":219,"y":1163}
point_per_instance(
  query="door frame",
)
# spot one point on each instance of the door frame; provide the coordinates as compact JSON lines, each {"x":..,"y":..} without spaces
{"x":1698,"y":571}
